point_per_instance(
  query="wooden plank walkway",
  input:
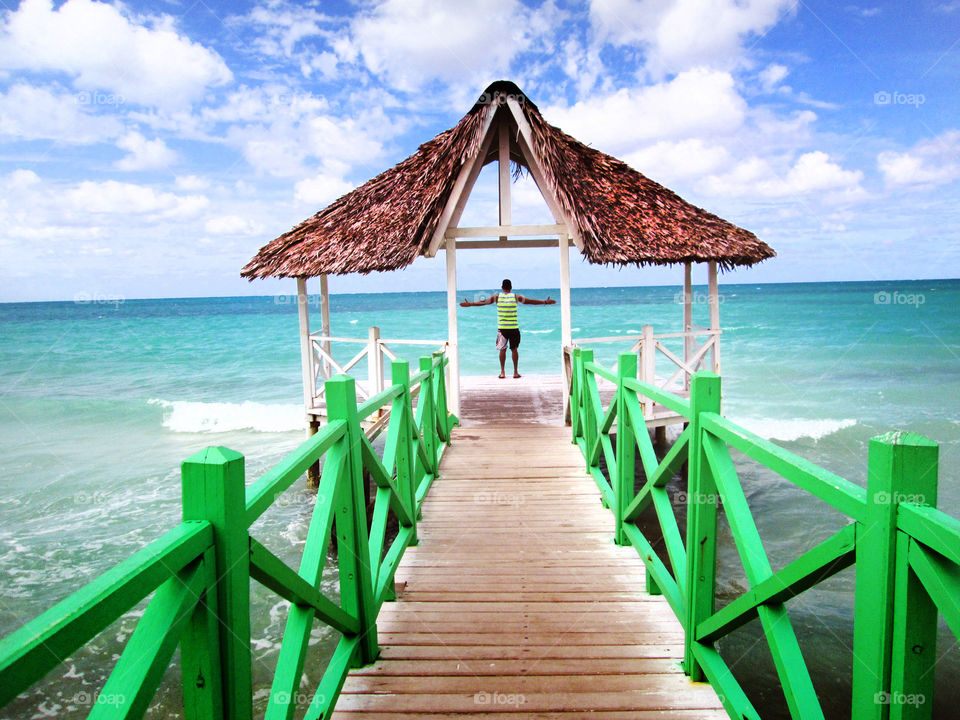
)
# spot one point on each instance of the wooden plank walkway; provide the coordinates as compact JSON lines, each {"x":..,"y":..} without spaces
{"x":517,"y":604}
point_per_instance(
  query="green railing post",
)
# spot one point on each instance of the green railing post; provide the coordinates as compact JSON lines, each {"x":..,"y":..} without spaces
{"x":587,"y":421}
{"x":914,"y":652}
{"x":701,"y":521}
{"x":902,"y":467}
{"x":440,"y":397}
{"x":575,"y":385}
{"x":428,"y":418}
{"x":623,"y":485}
{"x":353,"y":545}
{"x":400,"y":375}
{"x":214,"y":490}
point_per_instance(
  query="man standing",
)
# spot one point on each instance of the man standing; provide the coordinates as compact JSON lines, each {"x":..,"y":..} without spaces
{"x":508,"y":327}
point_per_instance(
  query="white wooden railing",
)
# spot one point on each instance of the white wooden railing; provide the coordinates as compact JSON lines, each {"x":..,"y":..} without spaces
{"x":324,"y":364}
{"x":701,"y":351}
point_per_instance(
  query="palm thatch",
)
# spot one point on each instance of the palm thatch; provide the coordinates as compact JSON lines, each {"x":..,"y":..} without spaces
{"x":621,"y":216}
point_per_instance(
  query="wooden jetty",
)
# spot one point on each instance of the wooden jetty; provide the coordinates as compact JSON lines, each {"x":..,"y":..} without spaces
{"x":516,"y":601}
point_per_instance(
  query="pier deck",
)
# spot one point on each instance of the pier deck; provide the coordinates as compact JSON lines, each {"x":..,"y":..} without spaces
{"x":516,"y":601}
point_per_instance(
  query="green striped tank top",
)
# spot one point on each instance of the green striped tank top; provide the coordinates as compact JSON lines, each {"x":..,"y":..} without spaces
{"x":507,"y":311}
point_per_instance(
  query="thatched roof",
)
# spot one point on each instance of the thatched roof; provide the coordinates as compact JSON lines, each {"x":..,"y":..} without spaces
{"x":620,"y":216}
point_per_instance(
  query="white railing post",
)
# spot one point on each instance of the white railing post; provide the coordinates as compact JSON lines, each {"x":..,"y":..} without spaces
{"x":648,"y":363}
{"x":374,"y":364}
{"x":714,"y":300}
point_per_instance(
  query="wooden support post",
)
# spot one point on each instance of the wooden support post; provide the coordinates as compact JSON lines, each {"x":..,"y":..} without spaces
{"x":701,"y":521}
{"x":566,"y":332}
{"x":453,"y":347}
{"x":503,"y":162}
{"x":687,"y":320}
{"x":902,"y":467}
{"x":213,"y":489}
{"x":714,"y":300}
{"x":626,"y":446}
{"x":306,"y":351}
{"x":325,"y":322}
{"x":353,"y":546}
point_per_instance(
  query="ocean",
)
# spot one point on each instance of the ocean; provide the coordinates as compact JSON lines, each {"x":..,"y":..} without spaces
{"x":101,"y":400}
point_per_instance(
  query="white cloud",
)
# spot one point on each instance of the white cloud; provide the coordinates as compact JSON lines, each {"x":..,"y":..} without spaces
{"x":321,"y":190}
{"x":104,"y":48}
{"x":410,"y":42}
{"x":191,"y":183}
{"x":771,"y":76}
{"x":144,"y":154}
{"x":681,"y":34}
{"x":284,"y":25}
{"x":929,"y":162}
{"x":118,"y":198}
{"x":232,"y":225}
{"x":813,"y":172}
{"x":694,"y":103}
{"x":667,"y":161}
{"x":32,"y":113}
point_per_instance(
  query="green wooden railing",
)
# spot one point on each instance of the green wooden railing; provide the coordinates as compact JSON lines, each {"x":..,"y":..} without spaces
{"x":200,"y":571}
{"x":906,"y":552}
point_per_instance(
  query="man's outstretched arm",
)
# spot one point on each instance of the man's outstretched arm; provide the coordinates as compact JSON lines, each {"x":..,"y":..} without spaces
{"x":489,"y":301}
{"x":532,"y":301}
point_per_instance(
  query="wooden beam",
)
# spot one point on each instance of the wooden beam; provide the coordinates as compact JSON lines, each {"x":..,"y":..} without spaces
{"x":325,"y":319}
{"x":505,"y":244}
{"x":525,"y":141}
{"x":461,"y":188}
{"x":503,"y":161}
{"x":506,"y":230}
{"x":453,"y":349}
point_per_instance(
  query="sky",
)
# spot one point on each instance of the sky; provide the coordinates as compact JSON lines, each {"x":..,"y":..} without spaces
{"x":150,"y":148}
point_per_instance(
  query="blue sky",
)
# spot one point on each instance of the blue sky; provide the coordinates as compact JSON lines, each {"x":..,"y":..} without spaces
{"x":149,"y":149}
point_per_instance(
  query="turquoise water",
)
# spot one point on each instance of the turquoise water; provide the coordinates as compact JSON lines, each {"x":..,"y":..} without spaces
{"x":100,"y":402}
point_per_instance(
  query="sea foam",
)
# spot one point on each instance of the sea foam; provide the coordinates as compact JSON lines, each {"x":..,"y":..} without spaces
{"x":190,"y":416}
{"x":787,"y":430}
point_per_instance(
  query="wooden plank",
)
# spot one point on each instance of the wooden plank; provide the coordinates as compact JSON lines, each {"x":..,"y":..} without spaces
{"x":516,"y":602}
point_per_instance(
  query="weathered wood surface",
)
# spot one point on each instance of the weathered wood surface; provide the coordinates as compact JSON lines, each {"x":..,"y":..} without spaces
{"x":517,"y":604}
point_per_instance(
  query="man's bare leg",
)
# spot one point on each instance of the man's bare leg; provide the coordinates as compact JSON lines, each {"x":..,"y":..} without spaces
{"x":503,"y":362}
{"x":516,"y":356}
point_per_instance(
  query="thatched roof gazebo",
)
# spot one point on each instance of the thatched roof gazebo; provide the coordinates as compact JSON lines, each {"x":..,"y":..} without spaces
{"x":609,"y":211}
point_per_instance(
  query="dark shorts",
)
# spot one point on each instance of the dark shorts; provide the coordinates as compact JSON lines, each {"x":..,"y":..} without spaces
{"x":512,"y":335}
